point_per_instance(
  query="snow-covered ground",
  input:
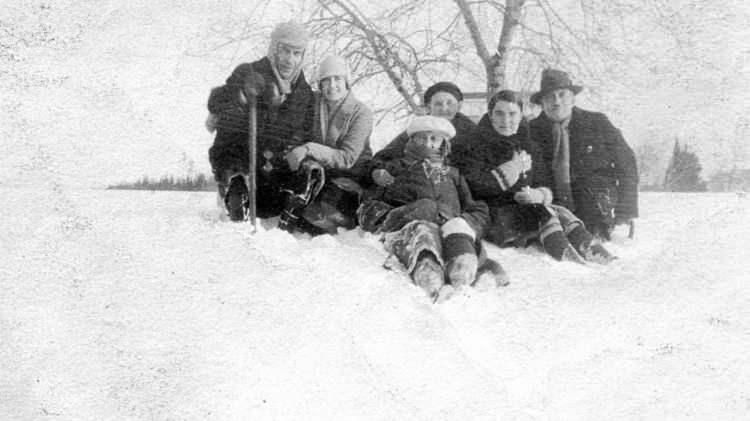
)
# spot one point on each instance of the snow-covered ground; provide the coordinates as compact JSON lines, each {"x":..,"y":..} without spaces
{"x":140,"y":305}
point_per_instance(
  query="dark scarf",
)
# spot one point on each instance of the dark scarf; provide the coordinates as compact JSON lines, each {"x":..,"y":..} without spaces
{"x":561,"y":163}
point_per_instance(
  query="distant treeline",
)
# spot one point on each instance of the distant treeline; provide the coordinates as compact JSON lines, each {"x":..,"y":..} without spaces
{"x":197,"y":183}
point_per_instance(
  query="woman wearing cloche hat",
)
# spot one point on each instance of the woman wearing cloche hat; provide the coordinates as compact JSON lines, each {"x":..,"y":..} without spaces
{"x":340,"y":146}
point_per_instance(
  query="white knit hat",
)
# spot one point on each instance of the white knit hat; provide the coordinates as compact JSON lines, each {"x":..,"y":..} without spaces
{"x":333,"y":66}
{"x":429,"y":123}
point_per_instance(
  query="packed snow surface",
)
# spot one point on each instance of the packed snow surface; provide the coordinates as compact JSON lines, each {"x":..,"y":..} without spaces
{"x":121,"y":305}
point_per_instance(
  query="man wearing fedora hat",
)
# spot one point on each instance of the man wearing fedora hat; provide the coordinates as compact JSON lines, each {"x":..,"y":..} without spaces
{"x":589,"y":166}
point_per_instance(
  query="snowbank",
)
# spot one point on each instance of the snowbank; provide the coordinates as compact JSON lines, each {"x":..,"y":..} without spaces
{"x":141,"y":305}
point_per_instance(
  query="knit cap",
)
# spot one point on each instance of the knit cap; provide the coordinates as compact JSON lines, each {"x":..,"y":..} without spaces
{"x":333,"y":66}
{"x":448,"y":87}
{"x":428,"y":123}
{"x":291,"y":33}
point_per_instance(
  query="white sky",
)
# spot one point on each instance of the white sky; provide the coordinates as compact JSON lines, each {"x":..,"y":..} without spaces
{"x":129,"y":99}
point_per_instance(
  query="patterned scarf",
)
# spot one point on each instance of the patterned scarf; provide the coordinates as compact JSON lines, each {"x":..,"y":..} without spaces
{"x":433,"y":162}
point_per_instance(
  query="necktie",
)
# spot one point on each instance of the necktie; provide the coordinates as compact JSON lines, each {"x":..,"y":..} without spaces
{"x":561,"y":164}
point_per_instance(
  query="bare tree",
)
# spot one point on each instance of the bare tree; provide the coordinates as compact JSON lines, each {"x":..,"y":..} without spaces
{"x":739,"y":150}
{"x":407,"y":44}
{"x":509,"y":40}
{"x":495,"y":63}
{"x":649,"y":161}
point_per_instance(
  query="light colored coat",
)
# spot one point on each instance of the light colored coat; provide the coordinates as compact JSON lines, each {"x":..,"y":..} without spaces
{"x":342,"y":140}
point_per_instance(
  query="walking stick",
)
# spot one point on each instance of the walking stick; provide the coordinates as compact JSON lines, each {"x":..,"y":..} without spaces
{"x":252,"y":146}
{"x":631,"y":229}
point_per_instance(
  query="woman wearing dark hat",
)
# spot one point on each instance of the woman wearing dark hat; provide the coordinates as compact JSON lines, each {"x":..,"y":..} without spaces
{"x":503,"y":168}
{"x":442,"y":99}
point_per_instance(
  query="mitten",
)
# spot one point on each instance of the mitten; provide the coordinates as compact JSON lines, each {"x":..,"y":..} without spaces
{"x":211,"y":122}
{"x":508,"y":172}
{"x":530,"y":196}
{"x":382,"y":177}
{"x":253,"y":86}
{"x":295,"y":157}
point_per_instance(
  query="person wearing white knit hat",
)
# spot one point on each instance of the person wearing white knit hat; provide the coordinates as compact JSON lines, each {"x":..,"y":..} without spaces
{"x":442,"y":99}
{"x":333,"y":77}
{"x":434,"y":222}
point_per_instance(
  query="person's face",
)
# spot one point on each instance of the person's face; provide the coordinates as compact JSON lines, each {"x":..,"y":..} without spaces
{"x":558,"y":104}
{"x":288,"y":59}
{"x":430,"y":139}
{"x":506,"y":117}
{"x":445,"y":105}
{"x":334,"y":87}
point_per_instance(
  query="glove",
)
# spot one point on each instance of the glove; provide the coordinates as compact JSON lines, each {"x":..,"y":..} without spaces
{"x":295,"y":157}
{"x":254,"y":86}
{"x":211,"y":121}
{"x":529,"y":196}
{"x":511,"y":170}
{"x":526,"y":161}
{"x":382,"y":177}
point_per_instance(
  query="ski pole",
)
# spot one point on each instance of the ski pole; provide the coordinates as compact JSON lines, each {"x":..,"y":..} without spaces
{"x":252,"y":146}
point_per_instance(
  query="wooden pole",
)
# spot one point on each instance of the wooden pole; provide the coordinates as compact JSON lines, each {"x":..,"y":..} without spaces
{"x":252,"y":146}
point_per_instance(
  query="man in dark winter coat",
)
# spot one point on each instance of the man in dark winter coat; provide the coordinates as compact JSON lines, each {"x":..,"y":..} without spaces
{"x":442,"y":99}
{"x":502,"y":167}
{"x":285,"y":110}
{"x":591,"y":169}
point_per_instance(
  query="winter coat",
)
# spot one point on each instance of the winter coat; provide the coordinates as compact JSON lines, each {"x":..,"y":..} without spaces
{"x":277,"y":129}
{"x":478,"y":153}
{"x":603,"y":172}
{"x":347,"y":141}
{"x":395,"y":149}
{"x":448,"y":190}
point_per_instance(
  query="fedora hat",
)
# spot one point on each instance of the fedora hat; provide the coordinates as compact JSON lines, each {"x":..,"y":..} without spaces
{"x":553,"y":79}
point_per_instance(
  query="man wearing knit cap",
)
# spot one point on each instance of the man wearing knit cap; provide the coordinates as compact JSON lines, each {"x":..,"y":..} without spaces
{"x":590,"y":167}
{"x":285,"y":110}
{"x":442,"y":99}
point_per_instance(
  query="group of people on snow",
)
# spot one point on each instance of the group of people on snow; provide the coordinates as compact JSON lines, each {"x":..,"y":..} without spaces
{"x":565,"y":179}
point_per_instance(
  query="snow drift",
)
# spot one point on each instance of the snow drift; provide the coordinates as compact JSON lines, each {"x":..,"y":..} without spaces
{"x":146,"y":305}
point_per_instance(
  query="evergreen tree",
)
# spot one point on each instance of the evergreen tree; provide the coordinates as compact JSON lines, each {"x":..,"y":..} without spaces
{"x":683,"y":173}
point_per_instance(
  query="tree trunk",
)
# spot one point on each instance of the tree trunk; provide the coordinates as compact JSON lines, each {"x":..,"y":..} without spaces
{"x":495,"y":65}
